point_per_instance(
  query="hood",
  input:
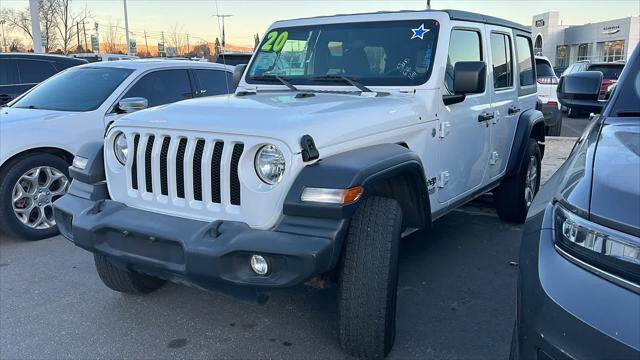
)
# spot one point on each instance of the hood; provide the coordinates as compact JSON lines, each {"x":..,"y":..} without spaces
{"x":329,"y":118}
{"x":10,"y":116}
{"x":615,"y":193}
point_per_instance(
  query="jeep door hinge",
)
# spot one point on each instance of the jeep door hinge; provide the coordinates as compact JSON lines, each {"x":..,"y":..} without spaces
{"x":443,"y":179}
{"x":444,"y":129}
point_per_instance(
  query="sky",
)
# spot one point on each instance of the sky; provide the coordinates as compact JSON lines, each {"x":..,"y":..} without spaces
{"x":195,"y":17}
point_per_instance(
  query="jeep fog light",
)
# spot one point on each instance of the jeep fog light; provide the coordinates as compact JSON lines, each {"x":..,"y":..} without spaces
{"x":259,"y":265}
{"x":332,"y":196}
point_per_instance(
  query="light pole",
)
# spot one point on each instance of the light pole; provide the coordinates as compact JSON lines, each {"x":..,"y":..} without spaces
{"x":4,"y":39}
{"x":219,"y":16}
{"x":126,"y":25}
{"x":34,"y":7}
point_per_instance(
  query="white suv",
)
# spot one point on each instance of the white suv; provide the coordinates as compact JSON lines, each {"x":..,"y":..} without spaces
{"x":547,"y":96}
{"x":42,"y":130}
{"x":345,"y":134}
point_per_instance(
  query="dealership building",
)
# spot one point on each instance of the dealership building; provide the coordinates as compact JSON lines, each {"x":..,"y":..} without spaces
{"x":611,"y":40}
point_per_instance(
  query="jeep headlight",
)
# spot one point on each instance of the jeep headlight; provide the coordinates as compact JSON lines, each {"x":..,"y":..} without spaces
{"x":121,"y":148}
{"x":269,"y":164}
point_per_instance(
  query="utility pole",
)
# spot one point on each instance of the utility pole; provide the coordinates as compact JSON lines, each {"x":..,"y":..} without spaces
{"x":84,"y":31}
{"x":4,"y":39}
{"x":428,"y":4}
{"x":187,"y":43}
{"x":126,"y":25}
{"x":146,"y":44}
{"x":163,"y":45}
{"x":34,"y":7}
{"x":219,"y":16}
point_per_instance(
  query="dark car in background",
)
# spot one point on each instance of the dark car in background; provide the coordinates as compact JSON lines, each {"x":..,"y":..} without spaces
{"x":20,"y":72}
{"x":579,"y":280}
{"x":234,"y":58}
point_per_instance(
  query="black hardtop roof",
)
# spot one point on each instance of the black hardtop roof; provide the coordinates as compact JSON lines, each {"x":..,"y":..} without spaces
{"x":453,"y":15}
{"x":48,"y":57}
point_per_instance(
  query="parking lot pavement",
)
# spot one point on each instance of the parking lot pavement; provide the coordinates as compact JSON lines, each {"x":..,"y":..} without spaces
{"x":456,"y":300}
{"x":573,"y":127}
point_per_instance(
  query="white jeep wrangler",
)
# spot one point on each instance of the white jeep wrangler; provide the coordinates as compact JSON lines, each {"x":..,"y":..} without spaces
{"x":346,"y":133}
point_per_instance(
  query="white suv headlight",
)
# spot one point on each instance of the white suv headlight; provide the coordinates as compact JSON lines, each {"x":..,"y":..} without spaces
{"x":121,"y":148}
{"x":269,"y":164}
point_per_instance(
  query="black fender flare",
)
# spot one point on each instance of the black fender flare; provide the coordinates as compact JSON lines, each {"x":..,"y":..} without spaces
{"x":530,"y":125}
{"x":373,"y":168}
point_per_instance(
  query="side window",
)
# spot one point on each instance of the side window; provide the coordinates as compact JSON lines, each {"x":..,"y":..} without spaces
{"x":34,"y":71}
{"x":525,"y":60}
{"x":214,"y":82}
{"x":464,"y":45}
{"x":8,"y":72}
{"x":162,"y":87}
{"x":501,"y":58}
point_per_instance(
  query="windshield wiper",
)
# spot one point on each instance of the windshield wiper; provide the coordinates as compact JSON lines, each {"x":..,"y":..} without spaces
{"x":284,"y":81}
{"x":344,"y":79}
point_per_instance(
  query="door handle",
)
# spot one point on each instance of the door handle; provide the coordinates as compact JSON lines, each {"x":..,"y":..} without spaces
{"x":485,"y":117}
{"x":513,"y":110}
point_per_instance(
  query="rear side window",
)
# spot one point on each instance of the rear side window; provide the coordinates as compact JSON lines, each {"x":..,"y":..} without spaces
{"x":162,"y":87}
{"x":464,"y":45}
{"x":525,"y":60}
{"x":214,"y":82}
{"x":34,"y":71}
{"x":609,"y":72}
{"x":9,"y":72}
{"x":501,"y":58}
{"x":544,"y":69}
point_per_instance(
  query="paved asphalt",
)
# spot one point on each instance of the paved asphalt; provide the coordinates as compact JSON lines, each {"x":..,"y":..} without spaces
{"x":456,"y":301}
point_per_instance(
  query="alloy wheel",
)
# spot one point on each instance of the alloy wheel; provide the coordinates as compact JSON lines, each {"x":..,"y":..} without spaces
{"x":33,"y":196}
{"x":531,"y":180}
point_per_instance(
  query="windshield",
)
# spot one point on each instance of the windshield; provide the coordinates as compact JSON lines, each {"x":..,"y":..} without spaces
{"x":77,"y":89}
{"x":372,"y":53}
{"x":609,"y":72}
{"x":544,"y":69}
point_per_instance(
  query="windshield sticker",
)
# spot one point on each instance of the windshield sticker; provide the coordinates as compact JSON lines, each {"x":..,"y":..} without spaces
{"x":419,"y":32}
{"x":275,"y":42}
{"x":406,"y":70}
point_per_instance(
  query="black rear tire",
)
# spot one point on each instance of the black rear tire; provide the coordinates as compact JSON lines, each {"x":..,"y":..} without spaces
{"x":10,"y":175}
{"x":369,"y":279}
{"x":124,"y":281}
{"x":512,"y":203}
{"x":572,"y":114}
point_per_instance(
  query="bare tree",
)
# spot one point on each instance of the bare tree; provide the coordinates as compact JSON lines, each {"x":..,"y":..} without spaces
{"x":68,"y":23}
{"x":15,"y":45}
{"x":113,"y":38}
{"x":176,"y":38}
{"x":17,"y":20}
{"x":49,"y":23}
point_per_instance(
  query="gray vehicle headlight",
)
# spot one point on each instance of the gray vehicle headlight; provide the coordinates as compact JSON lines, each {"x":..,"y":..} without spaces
{"x":121,"y":148}
{"x":269,"y":164}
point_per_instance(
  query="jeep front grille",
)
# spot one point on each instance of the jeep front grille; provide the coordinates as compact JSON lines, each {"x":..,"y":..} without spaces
{"x":184,"y":167}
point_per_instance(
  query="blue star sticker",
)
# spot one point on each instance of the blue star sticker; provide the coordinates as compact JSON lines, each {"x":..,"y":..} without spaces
{"x":419,"y":32}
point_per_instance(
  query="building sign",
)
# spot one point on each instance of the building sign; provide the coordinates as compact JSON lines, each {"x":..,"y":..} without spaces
{"x":160,"y":49}
{"x":540,"y":23}
{"x":610,"y":30}
{"x":95,"y":45}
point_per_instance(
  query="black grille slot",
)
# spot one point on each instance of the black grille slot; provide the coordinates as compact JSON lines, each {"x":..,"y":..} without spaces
{"x":197,"y":170}
{"x":182,"y":146}
{"x":164,"y":152}
{"x":235,"y":180}
{"x":134,"y":165}
{"x":216,"y":158}
{"x":147,"y":164}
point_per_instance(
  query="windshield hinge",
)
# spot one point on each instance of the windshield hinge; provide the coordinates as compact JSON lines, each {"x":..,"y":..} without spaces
{"x":309,"y":150}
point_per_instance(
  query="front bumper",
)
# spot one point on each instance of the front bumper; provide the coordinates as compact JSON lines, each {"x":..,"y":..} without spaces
{"x":211,"y":255}
{"x":552,"y":115}
{"x":567,"y":312}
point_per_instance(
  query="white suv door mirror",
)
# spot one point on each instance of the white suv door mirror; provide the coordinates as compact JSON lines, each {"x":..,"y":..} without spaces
{"x":133,"y":104}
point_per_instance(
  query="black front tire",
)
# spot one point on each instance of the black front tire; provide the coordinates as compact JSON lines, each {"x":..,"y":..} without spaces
{"x":124,"y":281}
{"x":10,"y":175}
{"x":512,"y":202}
{"x":369,"y":279}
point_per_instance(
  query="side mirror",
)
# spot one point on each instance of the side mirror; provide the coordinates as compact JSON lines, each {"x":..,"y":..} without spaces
{"x":469,"y":77}
{"x":133,"y":104}
{"x":580,"y":91}
{"x":237,"y":73}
